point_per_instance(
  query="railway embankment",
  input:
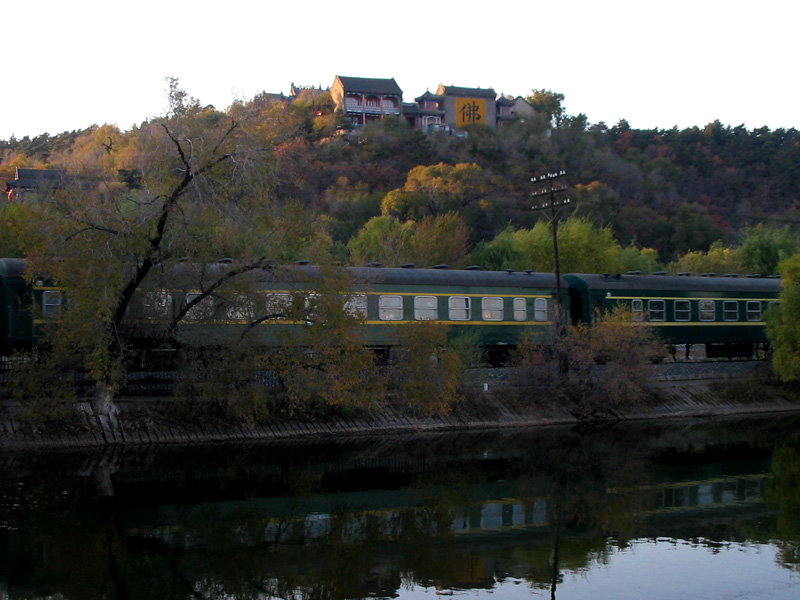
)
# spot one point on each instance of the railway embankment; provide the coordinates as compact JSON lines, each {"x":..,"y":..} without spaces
{"x":683,"y":390}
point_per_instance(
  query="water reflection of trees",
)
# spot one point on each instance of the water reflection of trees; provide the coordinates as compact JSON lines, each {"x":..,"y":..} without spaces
{"x":560,"y":501}
{"x":783,"y":494}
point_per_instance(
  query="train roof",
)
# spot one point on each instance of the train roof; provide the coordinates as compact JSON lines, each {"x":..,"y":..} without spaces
{"x":190,"y":273}
{"x":677,"y":283}
{"x":12,"y":267}
{"x":451,"y":277}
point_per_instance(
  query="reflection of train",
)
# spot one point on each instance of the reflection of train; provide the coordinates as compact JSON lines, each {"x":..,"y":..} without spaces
{"x":497,"y":307}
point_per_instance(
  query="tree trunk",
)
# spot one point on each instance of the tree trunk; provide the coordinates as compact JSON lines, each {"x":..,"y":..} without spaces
{"x":104,"y":408}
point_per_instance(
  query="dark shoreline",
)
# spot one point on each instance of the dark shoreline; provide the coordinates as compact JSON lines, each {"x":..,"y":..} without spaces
{"x":687,"y":392}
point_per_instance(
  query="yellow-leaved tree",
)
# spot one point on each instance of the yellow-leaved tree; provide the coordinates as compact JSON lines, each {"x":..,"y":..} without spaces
{"x":199,"y":184}
{"x":783,"y":323}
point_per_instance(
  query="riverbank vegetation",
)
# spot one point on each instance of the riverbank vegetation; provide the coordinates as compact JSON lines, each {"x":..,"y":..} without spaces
{"x":592,"y":371}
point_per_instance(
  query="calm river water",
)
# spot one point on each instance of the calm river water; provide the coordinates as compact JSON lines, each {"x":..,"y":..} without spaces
{"x":682,"y":510}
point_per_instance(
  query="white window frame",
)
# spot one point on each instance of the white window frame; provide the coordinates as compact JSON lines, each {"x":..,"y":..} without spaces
{"x":540,"y":312}
{"x":707,"y":308}
{"x":682,"y":314}
{"x":492,"y":308}
{"x":754,"y":310}
{"x":459,"y":313}
{"x":390,"y":307}
{"x":637,"y":310}
{"x":426,"y":308}
{"x":51,"y":303}
{"x":654,"y":314}
{"x":729,"y":314}
{"x":520,"y":309}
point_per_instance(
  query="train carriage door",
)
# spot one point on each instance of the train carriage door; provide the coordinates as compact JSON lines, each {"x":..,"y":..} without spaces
{"x":540,"y":312}
{"x":598,"y":306}
{"x":6,"y":308}
{"x":656,"y":310}
{"x":20,"y":323}
{"x":637,"y":310}
{"x":521,"y":309}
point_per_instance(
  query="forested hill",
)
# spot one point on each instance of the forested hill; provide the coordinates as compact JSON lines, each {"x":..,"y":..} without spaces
{"x":672,"y":190}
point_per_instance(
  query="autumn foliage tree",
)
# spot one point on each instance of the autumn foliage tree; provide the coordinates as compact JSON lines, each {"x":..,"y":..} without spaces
{"x":608,"y":365}
{"x":437,"y":189}
{"x":718,"y":259}
{"x":426,"y":371}
{"x":783,"y":323}
{"x":763,"y":248}
{"x":441,"y":239}
{"x":206,"y":191}
{"x":326,"y":366}
{"x":583,"y":248}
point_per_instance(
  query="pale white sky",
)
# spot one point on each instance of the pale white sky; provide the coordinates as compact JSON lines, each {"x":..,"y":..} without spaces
{"x":69,"y":65}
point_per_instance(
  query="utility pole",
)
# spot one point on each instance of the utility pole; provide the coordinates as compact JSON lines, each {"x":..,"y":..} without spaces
{"x":551,"y":185}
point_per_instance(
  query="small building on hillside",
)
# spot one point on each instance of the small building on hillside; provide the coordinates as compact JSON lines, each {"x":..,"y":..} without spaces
{"x":511,"y":109}
{"x":364,"y":100}
{"x":31,"y":182}
{"x":467,"y":106}
{"x":430,"y":109}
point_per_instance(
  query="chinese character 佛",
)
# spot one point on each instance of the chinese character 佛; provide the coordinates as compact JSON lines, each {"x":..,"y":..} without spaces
{"x":470,"y":113}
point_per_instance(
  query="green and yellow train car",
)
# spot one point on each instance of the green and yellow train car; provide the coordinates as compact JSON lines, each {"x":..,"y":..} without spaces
{"x":727,"y":314}
{"x":496,"y":307}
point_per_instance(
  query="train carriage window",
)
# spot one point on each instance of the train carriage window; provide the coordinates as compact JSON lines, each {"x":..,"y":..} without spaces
{"x":204,"y":309}
{"x":278,"y":305}
{"x":356,"y":306}
{"x":540,"y":309}
{"x":637,"y":310}
{"x":426,"y":308}
{"x":683,"y":310}
{"x":708,"y":310}
{"x":311,"y":307}
{"x":459,"y":308}
{"x":773,"y":304}
{"x":240,"y":308}
{"x":520,"y":309}
{"x":656,"y":310}
{"x":753,"y":310}
{"x":51,"y":303}
{"x":730,"y":310}
{"x":390,"y":308}
{"x":157,"y":304}
{"x":492,"y":308}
